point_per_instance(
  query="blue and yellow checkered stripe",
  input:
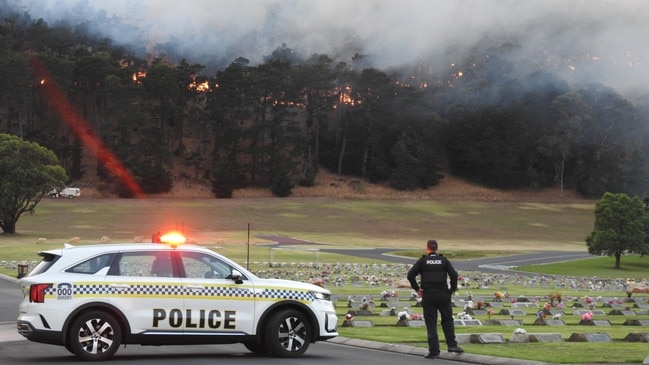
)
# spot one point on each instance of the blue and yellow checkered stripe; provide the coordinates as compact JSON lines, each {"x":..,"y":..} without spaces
{"x":157,"y":290}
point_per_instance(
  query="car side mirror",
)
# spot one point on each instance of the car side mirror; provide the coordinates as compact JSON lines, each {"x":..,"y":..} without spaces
{"x":236,"y":276}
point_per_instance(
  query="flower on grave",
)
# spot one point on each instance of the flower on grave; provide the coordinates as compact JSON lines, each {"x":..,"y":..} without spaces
{"x":587,"y":316}
{"x":499,"y":296}
{"x":403,"y":315}
{"x":547,"y":306}
{"x":478,"y":305}
{"x":588,"y":299}
{"x":417,"y":316}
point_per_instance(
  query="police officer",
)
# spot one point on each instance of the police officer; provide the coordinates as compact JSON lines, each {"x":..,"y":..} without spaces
{"x":436,"y":296}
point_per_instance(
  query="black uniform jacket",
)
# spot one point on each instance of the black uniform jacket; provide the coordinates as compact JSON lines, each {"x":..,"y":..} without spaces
{"x":434,"y":270}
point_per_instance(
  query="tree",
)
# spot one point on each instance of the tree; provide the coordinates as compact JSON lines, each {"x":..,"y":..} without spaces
{"x":620,"y":226}
{"x":27,"y":172}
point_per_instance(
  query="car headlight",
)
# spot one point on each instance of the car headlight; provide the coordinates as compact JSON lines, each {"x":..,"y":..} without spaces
{"x":321,"y":296}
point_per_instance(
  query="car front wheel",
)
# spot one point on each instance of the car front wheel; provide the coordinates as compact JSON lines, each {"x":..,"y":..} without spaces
{"x":94,"y":336}
{"x":288,"y":333}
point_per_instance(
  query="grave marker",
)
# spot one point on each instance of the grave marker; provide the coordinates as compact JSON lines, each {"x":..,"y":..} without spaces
{"x":486,"y":338}
{"x":363,"y":323}
{"x":546,"y":337}
{"x":549,"y":322}
{"x":637,"y":337}
{"x":590,"y":337}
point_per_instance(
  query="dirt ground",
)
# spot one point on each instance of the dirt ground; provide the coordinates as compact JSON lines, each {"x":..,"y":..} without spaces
{"x":332,"y":185}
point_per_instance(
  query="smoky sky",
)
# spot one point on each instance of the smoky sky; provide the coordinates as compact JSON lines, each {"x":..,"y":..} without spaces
{"x":580,"y":40}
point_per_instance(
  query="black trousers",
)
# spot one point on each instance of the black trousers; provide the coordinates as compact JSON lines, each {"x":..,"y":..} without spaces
{"x":435,"y":300}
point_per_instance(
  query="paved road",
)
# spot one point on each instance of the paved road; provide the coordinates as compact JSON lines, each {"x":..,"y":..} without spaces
{"x":487,"y":265}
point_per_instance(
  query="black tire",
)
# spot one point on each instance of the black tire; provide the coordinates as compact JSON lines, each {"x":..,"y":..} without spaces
{"x":259,"y":348}
{"x":288,"y":333}
{"x":94,"y":336}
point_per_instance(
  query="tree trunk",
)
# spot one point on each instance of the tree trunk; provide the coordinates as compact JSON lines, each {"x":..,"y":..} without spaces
{"x":617,"y":260}
{"x":341,"y":155}
{"x":8,"y":226}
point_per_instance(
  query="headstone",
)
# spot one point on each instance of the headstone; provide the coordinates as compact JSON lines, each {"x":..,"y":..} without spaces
{"x":590,"y":337}
{"x":467,"y":322}
{"x":637,"y":337}
{"x":479,"y":312}
{"x":595,"y":312}
{"x":386,"y":313}
{"x":618,"y":312}
{"x":463,"y":338}
{"x":519,"y":338}
{"x":546,"y":337}
{"x":641,"y":305}
{"x":525,"y":305}
{"x":361,"y":323}
{"x":486,"y":338}
{"x":504,"y":322}
{"x":495,"y":304}
{"x":458,"y":303}
{"x":417,"y":323}
{"x":636,"y":322}
{"x":595,"y":322}
{"x":511,"y":322}
{"x":361,"y":312}
{"x":601,"y":322}
{"x":549,"y":322}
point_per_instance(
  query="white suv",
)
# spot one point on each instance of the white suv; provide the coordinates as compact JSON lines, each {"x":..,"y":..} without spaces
{"x":91,"y":299}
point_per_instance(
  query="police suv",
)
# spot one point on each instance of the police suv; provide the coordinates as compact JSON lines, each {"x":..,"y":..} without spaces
{"x":92,"y":299}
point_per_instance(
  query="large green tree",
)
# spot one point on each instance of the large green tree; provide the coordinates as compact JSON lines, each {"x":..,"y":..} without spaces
{"x":27,"y":172}
{"x":620,"y":226}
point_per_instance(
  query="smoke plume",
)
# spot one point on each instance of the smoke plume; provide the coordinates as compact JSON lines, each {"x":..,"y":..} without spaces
{"x":580,"y":40}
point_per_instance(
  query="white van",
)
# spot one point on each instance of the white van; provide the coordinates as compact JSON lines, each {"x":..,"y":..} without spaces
{"x":65,"y":193}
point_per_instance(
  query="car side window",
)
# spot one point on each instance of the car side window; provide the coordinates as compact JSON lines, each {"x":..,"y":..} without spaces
{"x":91,"y":266}
{"x":155,"y":264}
{"x":199,"y":265}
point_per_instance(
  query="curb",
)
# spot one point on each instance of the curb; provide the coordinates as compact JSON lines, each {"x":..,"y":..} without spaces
{"x":420,"y":351}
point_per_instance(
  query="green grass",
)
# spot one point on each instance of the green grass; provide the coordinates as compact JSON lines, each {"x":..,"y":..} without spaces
{"x":465,"y":229}
{"x":631,"y":266}
{"x":384,"y":329}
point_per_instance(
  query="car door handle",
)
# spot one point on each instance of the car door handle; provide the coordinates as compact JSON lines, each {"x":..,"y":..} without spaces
{"x":120,"y":287}
{"x":195,"y":287}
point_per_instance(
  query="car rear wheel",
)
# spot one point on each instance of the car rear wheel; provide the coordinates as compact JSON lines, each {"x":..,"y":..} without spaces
{"x":288,"y":333}
{"x":95,"y":335}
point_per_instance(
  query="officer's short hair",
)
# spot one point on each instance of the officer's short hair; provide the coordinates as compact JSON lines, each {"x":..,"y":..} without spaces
{"x":431,"y":245}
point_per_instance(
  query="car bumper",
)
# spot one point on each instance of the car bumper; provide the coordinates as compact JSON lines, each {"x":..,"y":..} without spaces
{"x":27,"y":330}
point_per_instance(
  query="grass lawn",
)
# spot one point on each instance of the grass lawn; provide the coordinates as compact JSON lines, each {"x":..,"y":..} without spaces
{"x":465,"y":229}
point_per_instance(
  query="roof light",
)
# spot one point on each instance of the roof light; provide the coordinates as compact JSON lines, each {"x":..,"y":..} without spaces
{"x":173,"y":239}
